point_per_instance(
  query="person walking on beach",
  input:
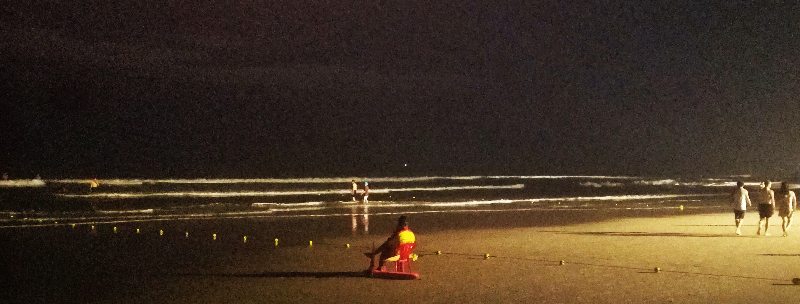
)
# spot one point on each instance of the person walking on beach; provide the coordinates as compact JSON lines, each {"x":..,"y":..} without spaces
{"x":355,"y":190}
{"x":787,"y":202}
{"x":366,"y":191}
{"x":766,"y":206}
{"x":389,"y":248}
{"x":739,"y":198}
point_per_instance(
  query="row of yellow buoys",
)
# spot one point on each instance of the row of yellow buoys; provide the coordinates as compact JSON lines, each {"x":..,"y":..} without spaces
{"x":213,"y":236}
{"x":795,"y":281}
{"x":486,"y":256}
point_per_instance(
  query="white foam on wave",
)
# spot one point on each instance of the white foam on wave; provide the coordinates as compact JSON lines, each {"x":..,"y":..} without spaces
{"x":469,"y":203}
{"x":665,"y":182}
{"x":569,"y":199}
{"x":278,"y":193}
{"x":125,"y":211}
{"x":561,"y":177}
{"x":111,"y":216}
{"x":205,"y":194}
{"x":286,"y":205}
{"x":732,"y":184}
{"x":517,"y":186}
{"x":116,"y":182}
{"x":332,"y":180}
{"x":282,"y":213}
{"x":619,"y":197}
{"x":309,"y":180}
{"x":297,"y":209}
{"x":661,"y":182}
{"x":21,"y":183}
{"x":603,"y":184}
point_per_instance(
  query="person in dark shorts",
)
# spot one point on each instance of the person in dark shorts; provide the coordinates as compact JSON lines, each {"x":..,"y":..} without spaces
{"x":786,"y":202}
{"x":355,"y":190}
{"x":766,"y":206}
{"x":740,"y":199}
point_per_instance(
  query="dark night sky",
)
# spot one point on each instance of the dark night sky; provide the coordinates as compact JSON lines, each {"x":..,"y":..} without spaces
{"x":337,"y":88}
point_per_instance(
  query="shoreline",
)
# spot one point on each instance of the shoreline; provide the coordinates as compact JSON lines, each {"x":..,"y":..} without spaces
{"x":292,"y":226}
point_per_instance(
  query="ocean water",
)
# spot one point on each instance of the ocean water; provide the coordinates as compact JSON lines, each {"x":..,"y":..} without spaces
{"x":31,"y":203}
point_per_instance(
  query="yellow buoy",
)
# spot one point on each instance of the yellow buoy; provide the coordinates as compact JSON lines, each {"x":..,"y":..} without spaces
{"x":276,"y":242}
{"x":486,"y":257}
{"x":187,"y":234}
{"x":214,"y":236}
{"x":310,"y":243}
{"x":561,"y":263}
{"x":681,"y":207}
{"x":137,"y":230}
{"x":115,"y":229}
{"x":656,"y":270}
{"x":161,"y":232}
{"x":245,"y":239}
{"x":348,"y":245}
{"x":438,"y":252}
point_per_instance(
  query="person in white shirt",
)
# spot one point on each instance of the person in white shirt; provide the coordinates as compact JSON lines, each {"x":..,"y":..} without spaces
{"x":366,"y":192}
{"x":740,"y":199}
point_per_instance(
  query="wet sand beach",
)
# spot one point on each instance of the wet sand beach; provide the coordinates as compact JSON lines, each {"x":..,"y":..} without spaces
{"x":606,"y":260}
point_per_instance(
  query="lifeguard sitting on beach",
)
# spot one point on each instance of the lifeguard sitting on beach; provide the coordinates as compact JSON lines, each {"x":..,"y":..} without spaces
{"x":402,"y":238}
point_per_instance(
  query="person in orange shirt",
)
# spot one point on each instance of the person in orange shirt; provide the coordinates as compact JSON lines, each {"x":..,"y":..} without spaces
{"x":389,"y":248}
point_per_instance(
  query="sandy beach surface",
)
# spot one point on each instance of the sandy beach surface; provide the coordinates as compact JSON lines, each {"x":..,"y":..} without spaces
{"x":700,"y":258}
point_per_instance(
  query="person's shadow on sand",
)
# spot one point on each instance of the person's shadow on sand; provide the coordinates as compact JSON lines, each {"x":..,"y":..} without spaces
{"x":636,"y":233}
{"x":284,"y":274}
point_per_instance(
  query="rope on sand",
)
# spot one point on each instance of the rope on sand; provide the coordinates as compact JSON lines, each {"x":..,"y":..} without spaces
{"x":255,"y":241}
{"x":796,"y":281}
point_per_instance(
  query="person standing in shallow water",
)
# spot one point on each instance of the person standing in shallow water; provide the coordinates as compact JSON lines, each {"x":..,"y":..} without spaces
{"x":366,"y":191}
{"x":740,"y":199}
{"x":766,"y":206}
{"x":93,"y":184}
{"x":355,"y":190}
{"x":786,"y":201}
